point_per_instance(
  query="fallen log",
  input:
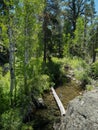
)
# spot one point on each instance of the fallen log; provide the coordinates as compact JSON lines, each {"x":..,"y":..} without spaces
{"x":59,"y":103}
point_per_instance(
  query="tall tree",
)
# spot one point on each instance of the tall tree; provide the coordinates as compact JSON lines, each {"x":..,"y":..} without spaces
{"x":2,"y":6}
{"x":93,"y":41}
{"x":78,"y":46}
{"x":28,"y":40}
{"x":11,"y":49}
{"x":77,"y":8}
{"x":52,"y":28}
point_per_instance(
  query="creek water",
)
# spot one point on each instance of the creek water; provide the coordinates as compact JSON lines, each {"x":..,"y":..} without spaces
{"x":46,"y":118}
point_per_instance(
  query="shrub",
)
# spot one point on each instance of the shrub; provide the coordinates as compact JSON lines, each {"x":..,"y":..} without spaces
{"x":80,"y":69}
{"x":54,"y":71}
{"x":26,"y":127}
{"x":83,"y":77}
{"x":40,"y":83}
{"x":57,"y":72}
{"x":11,"y":120}
{"x":77,"y":63}
{"x":4,"y":93}
{"x":94,"y":70}
{"x":89,"y":87}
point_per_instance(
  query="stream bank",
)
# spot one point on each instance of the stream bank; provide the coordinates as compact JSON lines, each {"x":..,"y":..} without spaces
{"x":81,"y":113}
{"x":45,"y":119}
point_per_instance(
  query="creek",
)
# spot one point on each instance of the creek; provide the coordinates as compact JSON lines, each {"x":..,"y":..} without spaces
{"x":45,"y":119}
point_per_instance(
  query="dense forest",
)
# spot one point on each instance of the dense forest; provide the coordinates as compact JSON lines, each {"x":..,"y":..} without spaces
{"x":43,"y":43}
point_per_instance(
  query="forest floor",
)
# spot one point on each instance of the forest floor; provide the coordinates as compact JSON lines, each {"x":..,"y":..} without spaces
{"x":46,"y":118}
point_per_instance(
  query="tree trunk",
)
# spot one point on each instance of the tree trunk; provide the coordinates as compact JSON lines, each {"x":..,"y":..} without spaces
{"x":25,"y":70}
{"x":94,"y":53}
{"x":26,"y":55}
{"x":45,"y":32}
{"x":11,"y":62}
{"x":94,"y":57}
{"x":60,"y":51}
{"x":45,"y":50}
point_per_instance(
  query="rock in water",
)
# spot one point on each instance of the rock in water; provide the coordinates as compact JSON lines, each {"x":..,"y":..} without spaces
{"x":82,"y":112}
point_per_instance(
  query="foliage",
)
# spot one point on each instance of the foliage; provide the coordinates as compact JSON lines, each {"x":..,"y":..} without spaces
{"x":94,"y":70}
{"x":89,"y":87}
{"x":26,"y":127}
{"x":73,"y":62}
{"x":77,"y":48}
{"x":4,"y":93}
{"x":54,"y":71}
{"x":40,"y":83}
{"x":67,"y":41}
{"x":78,"y":67}
{"x":11,"y":120}
{"x":77,"y":8}
{"x":33,"y":29}
{"x":81,"y":71}
{"x":93,"y":40}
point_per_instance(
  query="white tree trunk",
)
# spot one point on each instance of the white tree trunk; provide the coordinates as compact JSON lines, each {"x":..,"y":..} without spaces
{"x":11,"y":61}
{"x":26,"y":54}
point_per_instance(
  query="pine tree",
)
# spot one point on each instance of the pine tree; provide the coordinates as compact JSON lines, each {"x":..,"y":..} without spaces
{"x":52,"y":28}
{"x":76,"y":8}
